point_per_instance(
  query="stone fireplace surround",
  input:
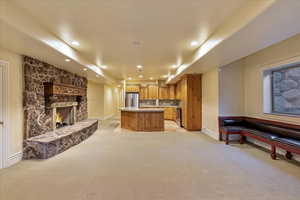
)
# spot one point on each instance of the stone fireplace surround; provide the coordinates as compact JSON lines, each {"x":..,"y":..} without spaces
{"x":41,"y":138}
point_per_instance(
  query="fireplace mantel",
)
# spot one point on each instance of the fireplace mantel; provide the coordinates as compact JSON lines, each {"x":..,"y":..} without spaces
{"x":63,"y":104}
{"x":62,"y":89}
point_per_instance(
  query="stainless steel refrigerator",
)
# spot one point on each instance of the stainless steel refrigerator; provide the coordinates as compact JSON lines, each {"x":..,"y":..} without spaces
{"x":132,"y":100}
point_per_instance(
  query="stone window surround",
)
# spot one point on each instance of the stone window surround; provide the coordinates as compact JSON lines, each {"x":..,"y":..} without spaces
{"x":56,"y":105}
{"x":267,"y":86}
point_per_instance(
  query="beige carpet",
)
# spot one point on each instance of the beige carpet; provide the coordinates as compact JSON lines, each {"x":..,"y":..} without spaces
{"x":116,"y":165}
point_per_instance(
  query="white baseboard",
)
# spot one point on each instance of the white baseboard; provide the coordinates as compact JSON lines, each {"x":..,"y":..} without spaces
{"x":13,"y":159}
{"x":211,"y":133}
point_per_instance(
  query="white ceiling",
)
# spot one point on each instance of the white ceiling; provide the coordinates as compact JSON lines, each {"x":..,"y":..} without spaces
{"x":16,"y":41}
{"x":106,"y":30}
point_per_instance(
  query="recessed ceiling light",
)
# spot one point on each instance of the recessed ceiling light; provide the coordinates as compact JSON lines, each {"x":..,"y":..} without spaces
{"x":136,"y":43}
{"x":194,"y":43}
{"x":174,"y":66}
{"x":151,"y":78}
{"x":165,"y":76}
{"x":84,"y":69}
{"x":103,"y":66}
{"x":67,"y":60}
{"x":141,"y":76}
{"x":75,"y":43}
{"x":129,"y":78}
{"x":139,"y":66}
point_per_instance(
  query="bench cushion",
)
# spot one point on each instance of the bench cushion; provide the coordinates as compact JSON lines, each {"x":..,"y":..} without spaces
{"x":289,"y":141}
{"x":232,"y":129}
{"x":285,"y":132}
{"x":233,"y":122}
{"x":265,"y":135}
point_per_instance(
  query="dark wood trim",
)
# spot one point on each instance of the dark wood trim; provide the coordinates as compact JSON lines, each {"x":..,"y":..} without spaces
{"x":283,"y":124}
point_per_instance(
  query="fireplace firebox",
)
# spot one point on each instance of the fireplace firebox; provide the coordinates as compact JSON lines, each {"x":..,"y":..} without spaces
{"x":64,"y":114}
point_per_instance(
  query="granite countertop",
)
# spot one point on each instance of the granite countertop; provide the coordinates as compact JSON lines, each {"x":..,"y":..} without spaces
{"x":128,"y":109}
{"x":160,"y":106}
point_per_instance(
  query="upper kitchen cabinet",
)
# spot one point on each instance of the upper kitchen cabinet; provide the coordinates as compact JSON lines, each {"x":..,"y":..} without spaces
{"x":172,"y":91}
{"x":163,"y":93}
{"x":152,"y":92}
{"x":144,"y":93}
{"x":132,"y":88}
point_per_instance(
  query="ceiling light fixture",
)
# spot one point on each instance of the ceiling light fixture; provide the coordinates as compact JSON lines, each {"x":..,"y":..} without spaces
{"x":165,"y":76}
{"x":84,"y":69}
{"x":151,"y":78}
{"x":139,"y":66}
{"x":141,"y":76}
{"x":75,"y":43}
{"x":67,"y":60}
{"x":104,"y":67}
{"x":129,"y":78}
{"x":194,"y":43}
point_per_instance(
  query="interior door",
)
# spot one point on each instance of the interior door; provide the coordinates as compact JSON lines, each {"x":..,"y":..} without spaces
{"x":1,"y":115}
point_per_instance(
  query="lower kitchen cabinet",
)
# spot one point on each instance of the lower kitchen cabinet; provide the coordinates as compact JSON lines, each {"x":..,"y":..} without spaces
{"x":170,"y":113}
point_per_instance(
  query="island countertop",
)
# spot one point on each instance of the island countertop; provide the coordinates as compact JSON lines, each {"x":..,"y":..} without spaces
{"x":128,"y":109}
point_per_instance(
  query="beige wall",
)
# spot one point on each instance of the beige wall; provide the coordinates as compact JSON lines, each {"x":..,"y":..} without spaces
{"x":15,"y":98}
{"x":95,"y":93}
{"x":210,"y":102}
{"x":231,"y":90}
{"x":103,"y":100}
{"x":241,"y":82}
{"x":111,"y":96}
{"x":283,"y":52}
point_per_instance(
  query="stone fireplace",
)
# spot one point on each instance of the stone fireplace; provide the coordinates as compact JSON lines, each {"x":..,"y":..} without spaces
{"x":63,"y":114}
{"x":55,"y":110}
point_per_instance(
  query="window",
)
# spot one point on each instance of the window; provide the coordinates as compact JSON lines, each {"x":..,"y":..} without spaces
{"x":282,"y":90}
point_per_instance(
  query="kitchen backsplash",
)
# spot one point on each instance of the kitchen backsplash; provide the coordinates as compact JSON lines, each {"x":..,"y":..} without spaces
{"x":148,"y":102}
{"x":156,"y":102}
{"x":168,"y":102}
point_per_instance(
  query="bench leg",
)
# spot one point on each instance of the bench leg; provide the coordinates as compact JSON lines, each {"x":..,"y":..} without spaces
{"x":273,"y":153}
{"x":227,"y":139}
{"x":242,"y":139}
{"x":289,"y":155}
{"x":220,"y":136}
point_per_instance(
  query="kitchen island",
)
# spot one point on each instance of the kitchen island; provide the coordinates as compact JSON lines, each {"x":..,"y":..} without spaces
{"x":142,"y":119}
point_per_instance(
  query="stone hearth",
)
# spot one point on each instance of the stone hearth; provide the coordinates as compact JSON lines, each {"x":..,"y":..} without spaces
{"x":55,"y":142}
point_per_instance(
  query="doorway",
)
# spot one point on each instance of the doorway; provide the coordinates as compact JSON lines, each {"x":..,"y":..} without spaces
{"x":3,"y":126}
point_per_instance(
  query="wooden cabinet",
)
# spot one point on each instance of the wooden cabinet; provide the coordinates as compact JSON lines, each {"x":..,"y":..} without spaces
{"x":152,"y":92}
{"x":191,"y":101}
{"x":144,"y":93}
{"x":163,"y":93}
{"x":178,"y":90}
{"x":132,"y":88}
{"x":170,"y":113}
{"x":172,"y":92}
{"x":142,"y":121}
